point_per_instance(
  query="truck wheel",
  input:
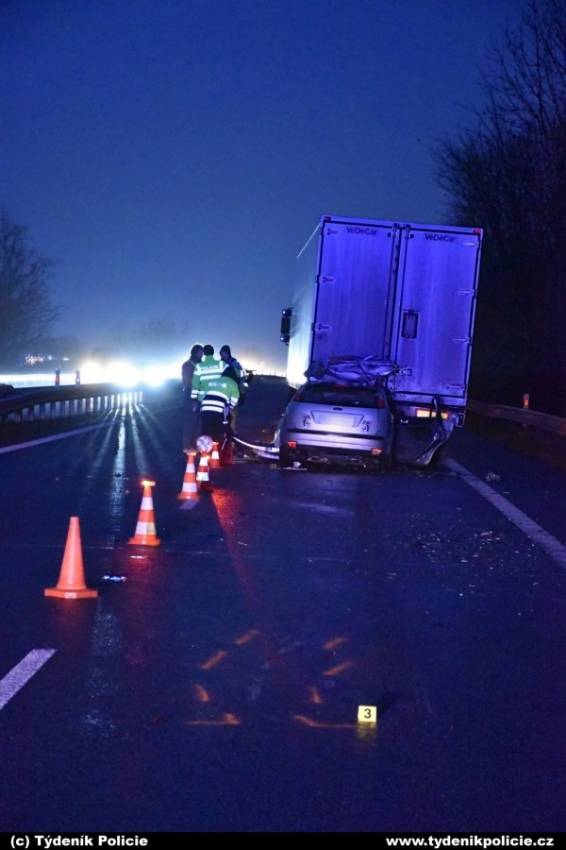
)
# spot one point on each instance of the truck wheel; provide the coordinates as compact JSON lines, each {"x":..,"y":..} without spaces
{"x":284,"y":459}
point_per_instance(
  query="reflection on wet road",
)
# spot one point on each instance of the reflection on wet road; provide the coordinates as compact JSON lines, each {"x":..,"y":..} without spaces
{"x":217,"y":687}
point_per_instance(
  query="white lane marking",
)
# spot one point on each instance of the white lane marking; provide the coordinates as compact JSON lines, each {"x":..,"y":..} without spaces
{"x":22,"y":673}
{"x":54,"y":437}
{"x":532,"y":529}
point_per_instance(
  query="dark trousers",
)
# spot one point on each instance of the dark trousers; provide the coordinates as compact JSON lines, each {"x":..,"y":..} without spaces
{"x":191,"y":423}
{"x":213,"y":426}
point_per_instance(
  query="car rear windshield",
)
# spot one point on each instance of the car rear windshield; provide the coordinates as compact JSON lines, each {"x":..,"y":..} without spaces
{"x":337,"y":395}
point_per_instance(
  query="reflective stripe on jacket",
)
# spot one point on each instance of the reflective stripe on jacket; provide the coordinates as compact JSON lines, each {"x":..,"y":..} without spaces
{"x":221,"y":396}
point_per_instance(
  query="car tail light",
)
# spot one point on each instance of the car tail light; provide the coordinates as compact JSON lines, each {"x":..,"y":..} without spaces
{"x":380,"y":403}
{"x":376,"y":452}
{"x":292,"y":444}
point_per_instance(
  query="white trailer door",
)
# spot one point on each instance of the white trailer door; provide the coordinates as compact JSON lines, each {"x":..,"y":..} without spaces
{"x":354,"y":303}
{"x":434,"y":314}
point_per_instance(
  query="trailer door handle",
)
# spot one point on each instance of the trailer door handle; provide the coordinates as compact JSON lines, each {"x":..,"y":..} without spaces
{"x":410,"y":324}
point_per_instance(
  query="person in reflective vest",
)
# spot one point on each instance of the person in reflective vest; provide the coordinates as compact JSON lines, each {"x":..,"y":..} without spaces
{"x":221,"y":398}
{"x":205,"y":371}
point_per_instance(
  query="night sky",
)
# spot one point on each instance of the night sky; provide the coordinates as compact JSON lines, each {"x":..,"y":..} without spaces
{"x":173,"y":156}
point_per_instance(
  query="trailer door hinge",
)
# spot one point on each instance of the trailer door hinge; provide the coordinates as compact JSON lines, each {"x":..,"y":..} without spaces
{"x":323,"y":278}
{"x":320,"y":327}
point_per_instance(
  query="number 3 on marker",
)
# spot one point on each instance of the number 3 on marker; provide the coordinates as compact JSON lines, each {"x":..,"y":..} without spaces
{"x":367,"y":714}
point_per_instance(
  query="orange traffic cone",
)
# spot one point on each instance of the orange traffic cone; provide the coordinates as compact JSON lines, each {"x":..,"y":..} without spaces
{"x":145,"y":529}
{"x":189,"y":489}
{"x":215,"y":457}
{"x":203,"y":478}
{"x":71,"y":584}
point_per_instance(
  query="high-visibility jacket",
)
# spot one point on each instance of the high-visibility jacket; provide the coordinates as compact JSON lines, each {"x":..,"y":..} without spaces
{"x":221,"y":397}
{"x":205,"y":371}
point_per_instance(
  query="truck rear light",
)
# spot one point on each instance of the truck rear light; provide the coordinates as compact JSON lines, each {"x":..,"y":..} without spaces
{"x":376,"y":452}
{"x":292,"y":444}
{"x":380,"y":403}
{"x":426,"y":413}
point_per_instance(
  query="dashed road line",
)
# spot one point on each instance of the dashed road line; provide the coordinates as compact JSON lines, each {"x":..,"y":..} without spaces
{"x":20,"y":675}
{"x":553,"y":547}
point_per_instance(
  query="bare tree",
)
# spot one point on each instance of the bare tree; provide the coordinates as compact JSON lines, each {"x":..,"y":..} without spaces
{"x":26,"y":311}
{"x":508,"y":174}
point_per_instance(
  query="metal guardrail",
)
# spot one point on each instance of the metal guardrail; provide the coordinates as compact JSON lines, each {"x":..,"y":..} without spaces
{"x":541,"y":421}
{"x":62,"y":402}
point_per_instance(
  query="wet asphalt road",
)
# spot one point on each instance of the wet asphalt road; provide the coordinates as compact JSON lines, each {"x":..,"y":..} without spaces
{"x":217,"y":687}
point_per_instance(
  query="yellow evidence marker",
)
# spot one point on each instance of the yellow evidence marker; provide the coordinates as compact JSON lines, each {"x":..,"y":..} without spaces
{"x":367,"y":714}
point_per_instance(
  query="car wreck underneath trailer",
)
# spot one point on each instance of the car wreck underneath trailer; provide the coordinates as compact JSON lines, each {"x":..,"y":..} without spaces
{"x":399,"y":297}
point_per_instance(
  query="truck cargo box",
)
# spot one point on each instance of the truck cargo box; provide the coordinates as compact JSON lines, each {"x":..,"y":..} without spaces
{"x":400,"y":291}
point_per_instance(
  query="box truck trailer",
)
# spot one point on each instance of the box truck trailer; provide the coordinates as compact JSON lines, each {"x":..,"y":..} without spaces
{"x":397,"y":293}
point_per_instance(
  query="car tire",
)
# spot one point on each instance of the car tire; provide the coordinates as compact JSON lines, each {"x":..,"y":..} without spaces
{"x":284,"y":459}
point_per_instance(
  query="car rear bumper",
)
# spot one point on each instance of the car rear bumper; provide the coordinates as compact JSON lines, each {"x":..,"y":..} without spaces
{"x":339,"y":442}
{"x":333,"y":449}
